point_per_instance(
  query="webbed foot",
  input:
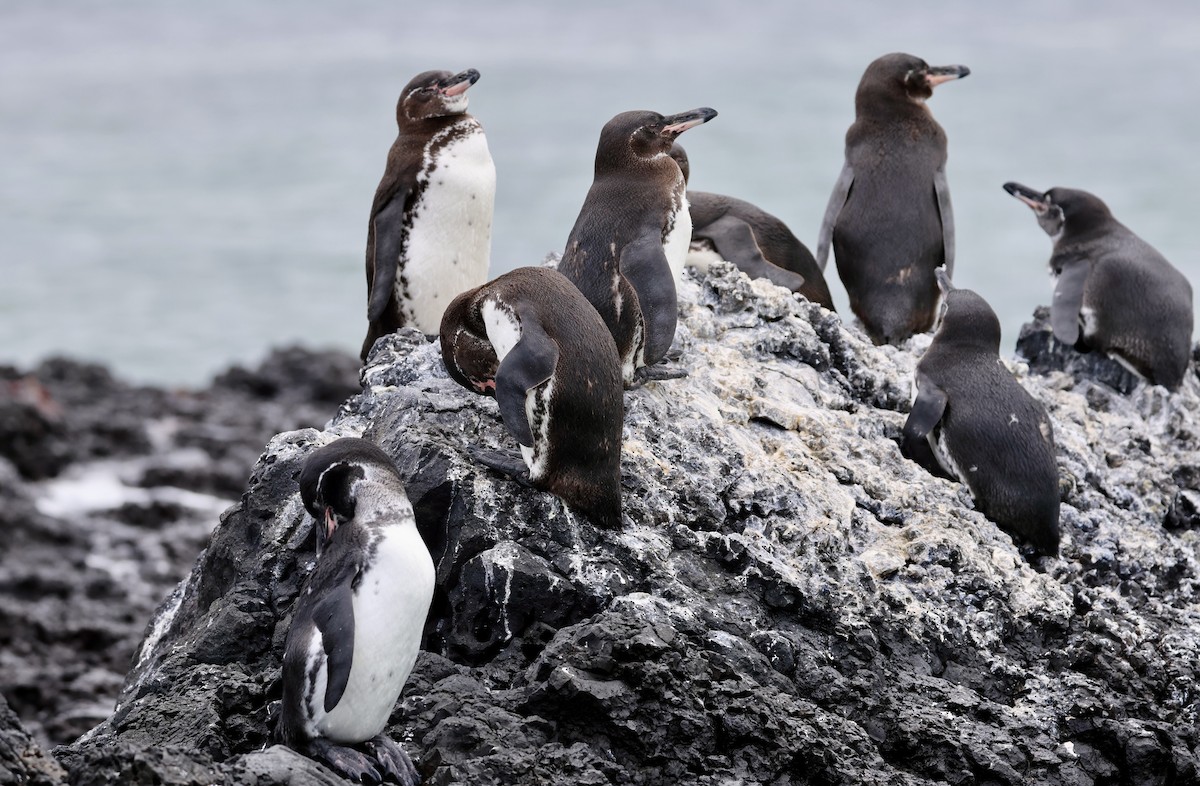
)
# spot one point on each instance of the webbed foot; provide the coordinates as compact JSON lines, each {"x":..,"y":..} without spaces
{"x":347,"y":762}
{"x":505,"y":463}
{"x":393,"y":760}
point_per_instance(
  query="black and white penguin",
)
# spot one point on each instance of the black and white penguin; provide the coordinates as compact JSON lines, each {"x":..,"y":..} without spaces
{"x":532,"y":340}
{"x":1113,"y":291}
{"x":973,"y":422}
{"x":761,"y":245}
{"x":889,"y":218}
{"x":357,"y":623}
{"x":430,"y":232}
{"x":630,"y":242}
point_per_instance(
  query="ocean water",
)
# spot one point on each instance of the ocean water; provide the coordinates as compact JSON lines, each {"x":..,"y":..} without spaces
{"x":185,"y":185}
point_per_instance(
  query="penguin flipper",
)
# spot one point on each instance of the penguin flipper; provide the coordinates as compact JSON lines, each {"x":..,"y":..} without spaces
{"x":942,"y":190}
{"x":735,"y":241}
{"x":837,"y":200}
{"x":926,"y":412}
{"x":386,"y":226}
{"x":333,"y":615}
{"x":644,"y":266}
{"x":528,"y":364}
{"x":1068,"y":302}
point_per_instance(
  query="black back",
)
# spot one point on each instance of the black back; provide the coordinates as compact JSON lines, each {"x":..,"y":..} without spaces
{"x":998,"y":435}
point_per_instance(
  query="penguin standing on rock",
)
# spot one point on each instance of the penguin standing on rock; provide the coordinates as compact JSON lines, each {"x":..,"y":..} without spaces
{"x":973,"y":422}
{"x":757,"y":242}
{"x":889,"y":218}
{"x":532,"y":340}
{"x":357,"y":624}
{"x":630,"y":242}
{"x":1113,"y":291}
{"x":430,"y":232}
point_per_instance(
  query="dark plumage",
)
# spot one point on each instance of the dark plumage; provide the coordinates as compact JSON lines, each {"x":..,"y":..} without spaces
{"x":1114,"y":292}
{"x":889,"y":219}
{"x":973,"y":422}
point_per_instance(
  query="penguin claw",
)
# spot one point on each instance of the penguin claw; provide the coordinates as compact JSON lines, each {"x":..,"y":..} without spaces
{"x":347,"y":762}
{"x":393,"y":760}
{"x":505,"y":463}
{"x":656,"y":373}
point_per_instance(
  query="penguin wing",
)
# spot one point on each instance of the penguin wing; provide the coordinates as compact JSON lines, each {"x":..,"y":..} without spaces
{"x":386,"y":225}
{"x":942,"y":190}
{"x":333,"y":616}
{"x":926,"y":412}
{"x":735,"y":241}
{"x":644,"y":265}
{"x":528,"y":364}
{"x":841,"y":191}
{"x":1068,"y":301}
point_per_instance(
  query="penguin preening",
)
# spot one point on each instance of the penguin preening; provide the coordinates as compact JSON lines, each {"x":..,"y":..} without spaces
{"x":357,"y":623}
{"x":758,"y":243}
{"x":973,"y":422}
{"x":430,"y":230}
{"x":533,"y":341}
{"x":889,"y":219}
{"x":630,"y":242}
{"x":1113,"y":291}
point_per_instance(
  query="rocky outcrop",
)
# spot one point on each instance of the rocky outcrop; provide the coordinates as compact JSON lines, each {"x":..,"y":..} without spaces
{"x":788,"y":601}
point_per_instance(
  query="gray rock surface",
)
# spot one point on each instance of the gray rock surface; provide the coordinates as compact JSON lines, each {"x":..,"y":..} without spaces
{"x":788,"y":602}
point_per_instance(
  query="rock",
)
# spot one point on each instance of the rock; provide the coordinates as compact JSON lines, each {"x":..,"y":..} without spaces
{"x":107,"y":506}
{"x":788,"y":600}
{"x":21,"y":760}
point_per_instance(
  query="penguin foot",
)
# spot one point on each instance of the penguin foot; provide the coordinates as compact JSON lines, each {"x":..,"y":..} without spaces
{"x":656,"y":373}
{"x":505,"y":463}
{"x":393,"y":760}
{"x":347,"y":762}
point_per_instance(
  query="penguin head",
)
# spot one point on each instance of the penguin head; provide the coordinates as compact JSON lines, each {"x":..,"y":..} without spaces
{"x":966,"y":320}
{"x":329,"y":481}
{"x":468,"y":355}
{"x":1063,"y":210}
{"x":903,"y":75}
{"x":435,"y":94}
{"x":680,"y":155}
{"x":642,"y":135}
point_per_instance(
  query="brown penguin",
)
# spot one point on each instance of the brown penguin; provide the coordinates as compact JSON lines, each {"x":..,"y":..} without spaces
{"x":630,"y":241}
{"x":533,"y":341}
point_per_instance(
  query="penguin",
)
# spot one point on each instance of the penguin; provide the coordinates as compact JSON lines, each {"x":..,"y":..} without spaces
{"x":757,"y":242}
{"x":357,"y":623}
{"x":889,"y":218}
{"x":1113,"y":291}
{"x":530,"y":339}
{"x":430,"y":232}
{"x":972,"y":421}
{"x":630,"y":242}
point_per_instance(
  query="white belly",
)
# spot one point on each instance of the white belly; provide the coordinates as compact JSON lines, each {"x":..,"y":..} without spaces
{"x":504,"y":331}
{"x":390,"y":606}
{"x":447,"y":249}
{"x":679,"y":238}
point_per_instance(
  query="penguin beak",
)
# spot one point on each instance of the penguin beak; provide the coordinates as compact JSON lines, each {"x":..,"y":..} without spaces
{"x":938,"y":74}
{"x":945,"y":285}
{"x":1035,"y":199}
{"x":459,"y":83}
{"x":325,"y":530}
{"x":675,"y":125}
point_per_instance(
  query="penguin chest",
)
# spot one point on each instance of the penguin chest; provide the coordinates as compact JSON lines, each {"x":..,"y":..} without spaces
{"x":504,"y":331}
{"x":390,"y":603}
{"x":677,"y":235}
{"x":448,"y":240}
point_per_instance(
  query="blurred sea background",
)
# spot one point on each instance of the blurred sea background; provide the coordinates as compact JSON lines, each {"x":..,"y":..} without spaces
{"x":184,"y":185}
